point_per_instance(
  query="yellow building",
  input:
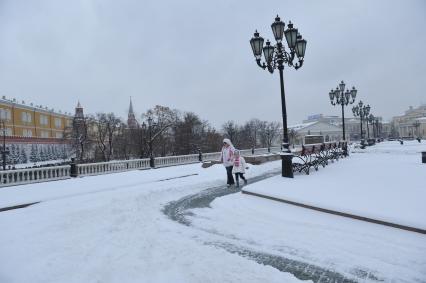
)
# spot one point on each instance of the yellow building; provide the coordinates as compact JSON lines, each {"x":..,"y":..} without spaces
{"x":31,"y":121}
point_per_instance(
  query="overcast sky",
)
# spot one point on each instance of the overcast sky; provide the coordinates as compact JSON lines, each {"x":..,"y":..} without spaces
{"x":195,"y":55}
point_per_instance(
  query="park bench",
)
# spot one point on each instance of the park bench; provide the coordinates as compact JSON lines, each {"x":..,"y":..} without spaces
{"x":316,"y":155}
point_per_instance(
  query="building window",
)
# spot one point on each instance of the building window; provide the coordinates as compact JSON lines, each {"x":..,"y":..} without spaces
{"x":59,"y":135}
{"x":58,"y":122}
{"x":27,"y":133}
{"x":44,"y":120}
{"x":5,"y":114}
{"x":44,"y":134}
{"x":69,"y":123}
{"x":26,"y":117}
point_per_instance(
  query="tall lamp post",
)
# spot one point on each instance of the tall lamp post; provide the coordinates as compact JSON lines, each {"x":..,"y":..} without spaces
{"x":4,"y":151}
{"x":151,"y":156}
{"x":362,"y":112}
{"x":378,"y":134}
{"x":370,"y":120}
{"x":416,"y":125}
{"x":276,"y":57}
{"x":342,"y":98}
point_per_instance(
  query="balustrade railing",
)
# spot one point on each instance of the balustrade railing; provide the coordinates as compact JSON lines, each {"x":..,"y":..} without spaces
{"x":111,"y":166}
{"x":41,"y":174}
{"x":33,"y":175}
{"x":176,"y":160}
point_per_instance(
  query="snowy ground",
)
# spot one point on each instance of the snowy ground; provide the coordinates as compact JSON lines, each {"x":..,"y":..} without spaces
{"x":111,"y":228}
{"x":385,"y":182}
{"x":116,"y":228}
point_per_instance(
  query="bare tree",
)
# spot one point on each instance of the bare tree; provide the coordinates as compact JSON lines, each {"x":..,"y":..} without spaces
{"x":78,"y":135}
{"x":252,"y":132}
{"x":162,"y":119}
{"x":232,"y":131}
{"x":269,"y":133}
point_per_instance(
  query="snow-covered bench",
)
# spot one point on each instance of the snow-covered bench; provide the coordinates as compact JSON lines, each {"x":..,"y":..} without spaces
{"x":316,"y":155}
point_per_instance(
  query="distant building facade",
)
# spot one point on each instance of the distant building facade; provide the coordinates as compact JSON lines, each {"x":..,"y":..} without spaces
{"x":412,"y":123}
{"x":34,"y":123}
{"x":330,"y":132}
{"x":352,"y":127}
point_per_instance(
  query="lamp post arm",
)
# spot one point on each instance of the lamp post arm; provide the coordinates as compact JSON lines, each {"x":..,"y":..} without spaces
{"x":298,"y":64}
{"x":263,"y":66}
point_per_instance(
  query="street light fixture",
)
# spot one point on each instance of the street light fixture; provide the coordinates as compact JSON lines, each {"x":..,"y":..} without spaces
{"x":342,"y":98}
{"x":275,"y":58}
{"x":362,"y":112}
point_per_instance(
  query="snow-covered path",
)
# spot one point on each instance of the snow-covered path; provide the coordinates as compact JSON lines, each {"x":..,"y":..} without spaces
{"x":116,"y":228}
{"x":121,"y":235}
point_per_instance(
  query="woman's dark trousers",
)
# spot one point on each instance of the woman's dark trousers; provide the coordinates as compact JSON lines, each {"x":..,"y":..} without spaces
{"x":230,"y":177}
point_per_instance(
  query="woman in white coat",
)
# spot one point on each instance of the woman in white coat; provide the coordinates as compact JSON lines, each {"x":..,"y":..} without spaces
{"x":239,"y":167}
{"x":227,"y":158}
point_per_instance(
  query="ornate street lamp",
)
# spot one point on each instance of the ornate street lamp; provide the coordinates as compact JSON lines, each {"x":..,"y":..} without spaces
{"x":362,"y":112}
{"x":370,"y":119}
{"x":276,"y":57}
{"x":342,"y":98}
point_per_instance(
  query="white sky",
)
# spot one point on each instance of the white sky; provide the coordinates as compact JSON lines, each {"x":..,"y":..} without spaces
{"x":195,"y":55}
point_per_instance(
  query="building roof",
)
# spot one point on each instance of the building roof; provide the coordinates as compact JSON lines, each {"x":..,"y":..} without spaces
{"x":39,"y":108}
{"x":315,"y":126}
{"x":302,"y":125}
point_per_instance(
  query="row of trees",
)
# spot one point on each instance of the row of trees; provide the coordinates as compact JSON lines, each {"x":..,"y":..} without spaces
{"x":21,"y":154}
{"x":165,"y":131}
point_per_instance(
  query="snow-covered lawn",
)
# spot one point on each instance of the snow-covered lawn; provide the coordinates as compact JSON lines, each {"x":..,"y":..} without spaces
{"x":385,"y":182}
{"x":356,"y":249}
{"x":112,"y":228}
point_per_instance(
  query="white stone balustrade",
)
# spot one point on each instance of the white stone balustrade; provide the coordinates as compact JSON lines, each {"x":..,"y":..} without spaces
{"x":175,"y":160}
{"x":42,"y":174}
{"x":211,"y":156}
{"x":34,"y":175}
{"x":112,"y":166}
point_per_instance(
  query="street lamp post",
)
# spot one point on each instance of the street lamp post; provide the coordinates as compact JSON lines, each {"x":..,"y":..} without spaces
{"x":276,"y":57}
{"x":268,"y":134}
{"x":416,"y":125}
{"x":362,"y":112}
{"x":142,"y":138}
{"x":4,"y":151}
{"x":376,"y":123}
{"x":342,"y":98}
{"x":370,"y":120}
{"x":151,"y":156}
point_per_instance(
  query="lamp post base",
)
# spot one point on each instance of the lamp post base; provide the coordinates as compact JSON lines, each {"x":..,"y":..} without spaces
{"x":73,"y":170}
{"x":287,"y":165}
{"x":151,"y":162}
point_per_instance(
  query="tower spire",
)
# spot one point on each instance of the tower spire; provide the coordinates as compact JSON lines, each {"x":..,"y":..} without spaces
{"x":131,"y":119}
{"x":131,"y":107}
